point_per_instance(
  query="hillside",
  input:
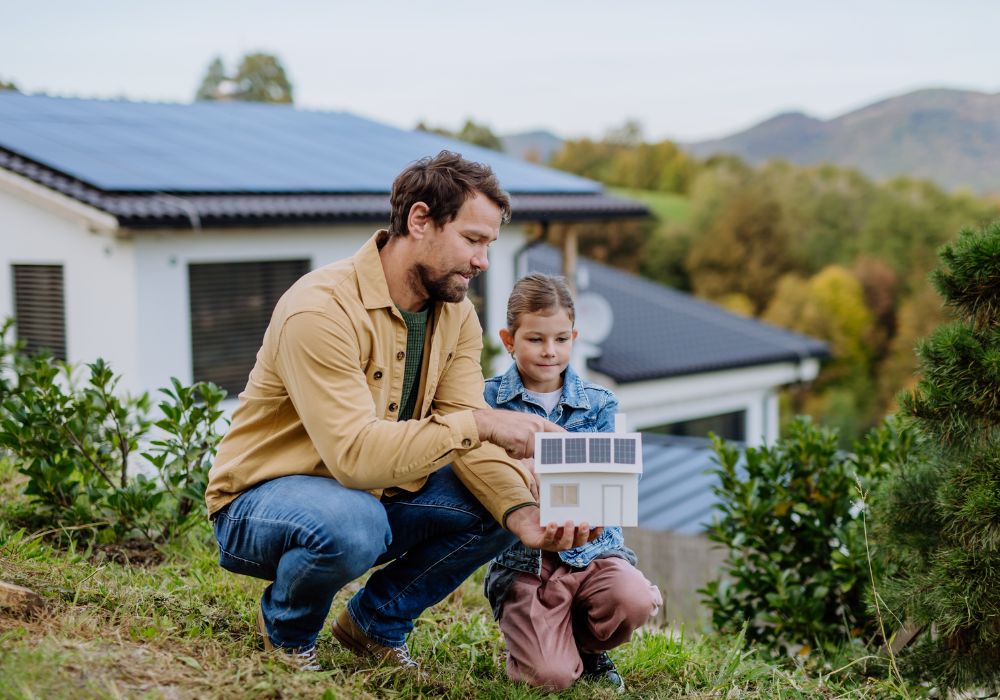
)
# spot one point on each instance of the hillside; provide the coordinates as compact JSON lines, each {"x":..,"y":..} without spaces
{"x":949,"y":136}
{"x":537,"y":146}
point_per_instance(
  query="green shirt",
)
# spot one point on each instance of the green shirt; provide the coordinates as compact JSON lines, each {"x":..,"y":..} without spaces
{"x":416,"y":329}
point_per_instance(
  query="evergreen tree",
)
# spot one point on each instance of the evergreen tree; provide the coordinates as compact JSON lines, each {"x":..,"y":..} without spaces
{"x":211,"y":84}
{"x":260,"y":77}
{"x":939,"y":516}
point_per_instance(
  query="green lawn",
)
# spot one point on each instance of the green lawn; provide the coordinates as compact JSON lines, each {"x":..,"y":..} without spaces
{"x":183,"y":628}
{"x":666,"y":206}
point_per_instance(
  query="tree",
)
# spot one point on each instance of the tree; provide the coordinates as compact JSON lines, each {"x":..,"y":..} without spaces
{"x":939,"y":516}
{"x":471,"y":132}
{"x":743,"y":251}
{"x":212,"y":84}
{"x":260,"y":77}
{"x":7,"y":85}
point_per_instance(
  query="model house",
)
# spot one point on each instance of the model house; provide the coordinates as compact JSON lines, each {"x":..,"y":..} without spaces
{"x":590,"y":477}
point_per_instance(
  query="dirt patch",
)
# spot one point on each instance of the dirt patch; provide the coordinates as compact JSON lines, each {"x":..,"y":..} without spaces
{"x":132,"y":553}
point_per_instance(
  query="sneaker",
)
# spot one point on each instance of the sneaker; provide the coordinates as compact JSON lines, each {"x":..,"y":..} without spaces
{"x":302,"y":658}
{"x":350,"y":635}
{"x":599,"y":668}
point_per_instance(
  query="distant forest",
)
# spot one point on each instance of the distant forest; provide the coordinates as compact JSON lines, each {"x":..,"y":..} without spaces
{"x":822,"y":250}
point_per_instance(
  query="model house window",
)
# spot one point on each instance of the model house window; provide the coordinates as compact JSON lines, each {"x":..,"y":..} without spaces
{"x":600,"y":450}
{"x":552,"y":451}
{"x":40,"y":308}
{"x":231,"y":305}
{"x":624,"y":451}
{"x":565,"y":495}
{"x":576,"y":450}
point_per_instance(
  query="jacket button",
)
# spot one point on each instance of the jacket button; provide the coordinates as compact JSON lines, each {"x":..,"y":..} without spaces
{"x":466,"y":442}
{"x":400,"y":355}
{"x":392,"y":407}
{"x":378,"y":374}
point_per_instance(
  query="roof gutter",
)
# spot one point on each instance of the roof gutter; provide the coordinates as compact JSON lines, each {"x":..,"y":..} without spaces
{"x":91,"y":218}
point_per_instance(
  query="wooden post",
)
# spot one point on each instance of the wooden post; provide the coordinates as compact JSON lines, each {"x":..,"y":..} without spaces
{"x":569,"y":257}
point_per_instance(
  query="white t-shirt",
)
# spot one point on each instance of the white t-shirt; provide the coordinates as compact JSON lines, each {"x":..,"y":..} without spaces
{"x":548,"y":400}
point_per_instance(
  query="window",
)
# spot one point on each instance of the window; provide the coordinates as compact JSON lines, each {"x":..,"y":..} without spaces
{"x":565,"y":495}
{"x":40,"y":308}
{"x":600,"y":450}
{"x":231,"y":305}
{"x":624,"y":450}
{"x":576,"y":450}
{"x":551,"y":451}
{"x":730,"y":426}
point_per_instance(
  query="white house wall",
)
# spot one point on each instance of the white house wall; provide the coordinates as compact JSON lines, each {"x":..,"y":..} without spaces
{"x":162,"y":259}
{"x":98,"y":274}
{"x":752,"y":389}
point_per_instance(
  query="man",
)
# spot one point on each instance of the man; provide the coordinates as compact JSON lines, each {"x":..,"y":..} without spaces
{"x":362,"y":436}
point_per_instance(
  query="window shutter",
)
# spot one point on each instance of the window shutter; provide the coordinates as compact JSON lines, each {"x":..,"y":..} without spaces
{"x":40,"y":308}
{"x":231,"y":305}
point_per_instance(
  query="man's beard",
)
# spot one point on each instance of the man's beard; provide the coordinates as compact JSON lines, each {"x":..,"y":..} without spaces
{"x":443,"y":287}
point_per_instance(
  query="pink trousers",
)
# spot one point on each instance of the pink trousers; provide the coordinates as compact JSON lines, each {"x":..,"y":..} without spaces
{"x":547,"y":623}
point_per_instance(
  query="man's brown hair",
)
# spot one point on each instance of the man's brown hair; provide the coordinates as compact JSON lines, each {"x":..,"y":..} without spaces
{"x":443,"y":183}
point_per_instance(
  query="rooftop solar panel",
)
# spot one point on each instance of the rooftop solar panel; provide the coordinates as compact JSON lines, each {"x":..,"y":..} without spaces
{"x":235,"y":147}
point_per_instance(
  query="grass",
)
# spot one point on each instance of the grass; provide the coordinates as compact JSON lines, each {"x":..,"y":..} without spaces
{"x":184,"y":628}
{"x":666,"y":206}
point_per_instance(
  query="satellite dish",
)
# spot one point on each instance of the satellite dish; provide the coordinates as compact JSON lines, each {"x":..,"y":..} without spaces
{"x":594,"y":318}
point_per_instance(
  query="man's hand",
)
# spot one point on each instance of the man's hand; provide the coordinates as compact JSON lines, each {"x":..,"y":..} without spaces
{"x":523,"y":522}
{"x":529,"y":465}
{"x":511,"y":430}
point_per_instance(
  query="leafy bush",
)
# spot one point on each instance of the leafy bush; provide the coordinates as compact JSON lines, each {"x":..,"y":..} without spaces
{"x":79,"y":446}
{"x":797,"y":573}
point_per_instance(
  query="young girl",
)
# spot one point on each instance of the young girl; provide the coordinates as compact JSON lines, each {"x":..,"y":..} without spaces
{"x":560,"y":613}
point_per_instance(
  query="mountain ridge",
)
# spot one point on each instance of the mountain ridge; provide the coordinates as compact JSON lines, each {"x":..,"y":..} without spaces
{"x":948,"y":135}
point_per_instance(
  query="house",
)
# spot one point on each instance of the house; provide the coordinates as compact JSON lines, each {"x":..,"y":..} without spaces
{"x":589,"y":477}
{"x":159,"y":236}
{"x":683,"y":366}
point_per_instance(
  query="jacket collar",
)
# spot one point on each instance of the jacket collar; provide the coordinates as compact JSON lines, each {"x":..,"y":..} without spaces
{"x":573,"y":394}
{"x":371,"y":276}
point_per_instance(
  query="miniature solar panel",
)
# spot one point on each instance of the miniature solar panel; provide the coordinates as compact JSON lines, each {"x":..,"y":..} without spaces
{"x":236,"y":147}
{"x":624,"y":450}
{"x":576,"y":450}
{"x":600,"y":450}
{"x":551,"y":451}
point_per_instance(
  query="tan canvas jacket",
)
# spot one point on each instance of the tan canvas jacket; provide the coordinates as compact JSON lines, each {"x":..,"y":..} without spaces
{"x":323,"y":395}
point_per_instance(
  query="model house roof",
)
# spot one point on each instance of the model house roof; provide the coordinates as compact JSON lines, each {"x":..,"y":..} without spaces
{"x":226,"y":163}
{"x":659,"y":332}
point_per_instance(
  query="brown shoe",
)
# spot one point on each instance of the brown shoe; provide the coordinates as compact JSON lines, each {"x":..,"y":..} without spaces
{"x":350,"y":635}
{"x":302,"y":659}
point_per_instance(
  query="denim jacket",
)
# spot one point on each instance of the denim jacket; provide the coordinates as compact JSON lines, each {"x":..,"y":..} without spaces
{"x":584,"y":407}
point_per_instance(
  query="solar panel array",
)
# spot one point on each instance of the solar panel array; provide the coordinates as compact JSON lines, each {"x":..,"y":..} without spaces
{"x":574,"y":450}
{"x":236,"y":147}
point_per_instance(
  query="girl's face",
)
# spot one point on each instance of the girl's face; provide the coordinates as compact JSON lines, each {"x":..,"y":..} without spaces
{"x":541,"y":346}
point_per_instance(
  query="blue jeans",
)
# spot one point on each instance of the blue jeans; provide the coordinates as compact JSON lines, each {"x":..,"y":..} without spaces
{"x":310,"y":536}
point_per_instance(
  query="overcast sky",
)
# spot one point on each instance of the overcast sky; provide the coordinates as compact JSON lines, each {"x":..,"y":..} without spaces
{"x":685,"y":70}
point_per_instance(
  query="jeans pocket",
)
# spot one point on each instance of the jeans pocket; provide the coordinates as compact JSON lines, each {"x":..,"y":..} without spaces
{"x":238,"y":565}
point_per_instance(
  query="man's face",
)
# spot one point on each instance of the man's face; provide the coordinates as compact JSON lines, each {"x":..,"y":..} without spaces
{"x":457,"y":251}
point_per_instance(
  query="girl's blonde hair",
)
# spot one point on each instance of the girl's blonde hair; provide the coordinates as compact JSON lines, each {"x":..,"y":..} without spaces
{"x":536,"y":293}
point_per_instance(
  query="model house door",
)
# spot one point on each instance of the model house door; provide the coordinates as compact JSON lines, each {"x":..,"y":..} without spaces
{"x":613,"y":505}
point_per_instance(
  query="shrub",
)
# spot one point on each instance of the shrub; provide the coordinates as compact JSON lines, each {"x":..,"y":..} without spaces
{"x":78,"y":446}
{"x":939,"y":515}
{"x":797,"y":571}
